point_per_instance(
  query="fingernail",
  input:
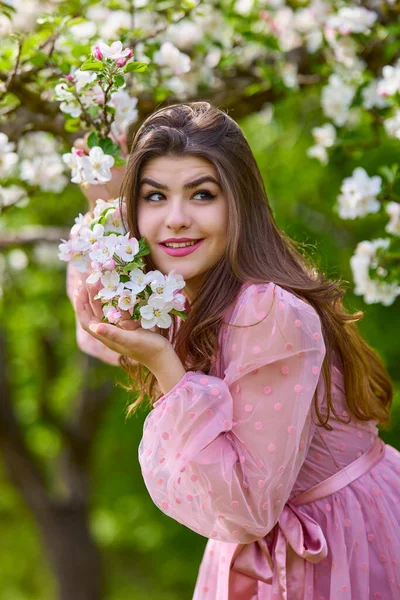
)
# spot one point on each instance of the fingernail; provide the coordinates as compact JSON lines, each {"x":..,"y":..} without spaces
{"x":93,"y":328}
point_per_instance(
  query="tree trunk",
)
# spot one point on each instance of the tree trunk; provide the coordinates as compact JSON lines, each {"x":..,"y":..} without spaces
{"x":71,"y":550}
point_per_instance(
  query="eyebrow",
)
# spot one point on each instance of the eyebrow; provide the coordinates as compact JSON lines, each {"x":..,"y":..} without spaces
{"x":187,"y":186}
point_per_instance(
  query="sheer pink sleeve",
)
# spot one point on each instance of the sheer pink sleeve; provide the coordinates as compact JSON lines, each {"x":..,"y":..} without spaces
{"x":221,"y":456}
{"x":86,"y":342}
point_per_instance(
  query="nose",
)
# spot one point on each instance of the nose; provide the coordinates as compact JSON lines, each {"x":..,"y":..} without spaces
{"x":177,"y":215}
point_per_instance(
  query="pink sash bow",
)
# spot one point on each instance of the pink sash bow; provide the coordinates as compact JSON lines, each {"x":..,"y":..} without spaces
{"x":295,"y":538}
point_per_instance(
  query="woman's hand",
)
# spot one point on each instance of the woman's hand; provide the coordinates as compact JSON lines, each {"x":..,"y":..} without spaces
{"x":112,"y":188}
{"x":128,"y":337}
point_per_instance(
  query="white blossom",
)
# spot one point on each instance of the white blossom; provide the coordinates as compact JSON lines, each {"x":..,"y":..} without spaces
{"x":138,"y":281}
{"x":169,"y":56}
{"x":318,"y":152}
{"x":392,"y":125}
{"x":17,"y":259}
{"x":37,"y":143}
{"x":126,"y":111}
{"x":102,"y":205}
{"x":126,"y":300}
{"x":371,"y":98}
{"x":156,"y":313}
{"x":112,"y":313}
{"x":100,"y":163}
{"x":283,"y":27}
{"x":74,"y":160}
{"x":184,"y":35}
{"x":82,"y":79}
{"x":114,"y":51}
{"x":45,"y":172}
{"x":13,"y":195}
{"x":373,"y":290}
{"x":113,"y":286}
{"x":127,"y":248}
{"x":325,"y":135}
{"x":103,"y":249}
{"x":345,"y":51}
{"x":352,"y":19}
{"x":289,"y":75}
{"x":113,"y":221}
{"x":243,"y":7}
{"x":74,"y":251}
{"x":8,"y":158}
{"x":390,"y":83}
{"x":358,"y":197}
{"x":83,"y":32}
{"x":393,"y":210}
{"x":336,"y":99}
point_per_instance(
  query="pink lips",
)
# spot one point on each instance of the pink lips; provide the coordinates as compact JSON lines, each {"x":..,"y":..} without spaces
{"x":181,"y":251}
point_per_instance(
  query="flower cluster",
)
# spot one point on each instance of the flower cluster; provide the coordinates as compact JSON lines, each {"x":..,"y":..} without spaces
{"x":364,"y":263}
{"x":100,"y":242}
{"x":92,"y":169}
{"x":8,"y":158}
{"x":93,"y":94}
{"x":358,"y":197}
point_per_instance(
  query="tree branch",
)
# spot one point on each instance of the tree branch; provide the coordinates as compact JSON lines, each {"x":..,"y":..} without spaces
{"x":32,"y":234}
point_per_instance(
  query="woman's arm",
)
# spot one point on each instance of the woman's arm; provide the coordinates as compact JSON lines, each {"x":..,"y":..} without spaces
{"x":221,"y":456}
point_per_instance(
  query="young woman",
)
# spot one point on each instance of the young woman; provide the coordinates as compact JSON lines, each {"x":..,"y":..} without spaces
{"x":265,"y":402}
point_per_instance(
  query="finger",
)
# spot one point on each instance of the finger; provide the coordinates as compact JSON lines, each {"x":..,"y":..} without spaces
{"x":93,"y":290}
{"x":113,"y":337}
{"x":128,"y":324}
{"x":83,"y":309}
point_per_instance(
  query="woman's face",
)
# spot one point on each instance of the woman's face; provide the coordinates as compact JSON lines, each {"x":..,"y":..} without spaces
{"x":167,"y":209}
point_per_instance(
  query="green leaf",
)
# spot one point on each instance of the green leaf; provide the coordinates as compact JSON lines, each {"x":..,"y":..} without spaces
{"x":137,"y":67}
{"x":7,"y":10}
{"x":179,"y":313}
{"x":108,"y":146}
{"x":135,"y":264}
{"x":144,"y":248}
{"x":93,"y":140}
{"x":119,"y":161}
{"x":39,"y":59}
{"x":72,"y":125}
{"x":389,"y":173}
{"x":95,"y":65}
{"x":119,"y":81}
{"x":93,"y":111}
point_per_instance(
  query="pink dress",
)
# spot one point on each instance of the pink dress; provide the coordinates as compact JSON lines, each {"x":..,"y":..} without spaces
{"x":227,"y":453}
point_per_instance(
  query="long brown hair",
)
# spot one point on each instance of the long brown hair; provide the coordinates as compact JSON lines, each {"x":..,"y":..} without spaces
{"x":257,"y":252}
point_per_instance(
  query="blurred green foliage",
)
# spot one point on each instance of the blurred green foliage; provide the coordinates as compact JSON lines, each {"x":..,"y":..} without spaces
{"x":146,"y":554}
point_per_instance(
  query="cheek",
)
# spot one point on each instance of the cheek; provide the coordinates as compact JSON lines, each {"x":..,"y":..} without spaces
{"x":142,"y":220}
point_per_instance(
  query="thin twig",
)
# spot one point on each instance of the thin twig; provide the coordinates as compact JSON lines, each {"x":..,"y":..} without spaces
{"x":13,"y":72}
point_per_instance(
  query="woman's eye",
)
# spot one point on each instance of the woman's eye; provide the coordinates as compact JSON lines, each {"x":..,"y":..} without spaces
{"x":207,"y":194}
{"x":149,"y":196}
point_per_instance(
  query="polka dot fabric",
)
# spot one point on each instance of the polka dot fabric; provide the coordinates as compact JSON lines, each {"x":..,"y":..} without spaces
{"x":222,"y":454}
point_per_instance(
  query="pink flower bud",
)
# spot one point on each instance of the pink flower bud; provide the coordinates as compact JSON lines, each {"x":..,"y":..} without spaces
{"x":114,"y":316}
{"x":128,"y":56}
{"x":109,"y":264}
{"x":97,"y":54}
{"x":121,"y":61}
{"x":264,"y":15}
{"x":79,"y":152}
{"x":70,"y":78}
